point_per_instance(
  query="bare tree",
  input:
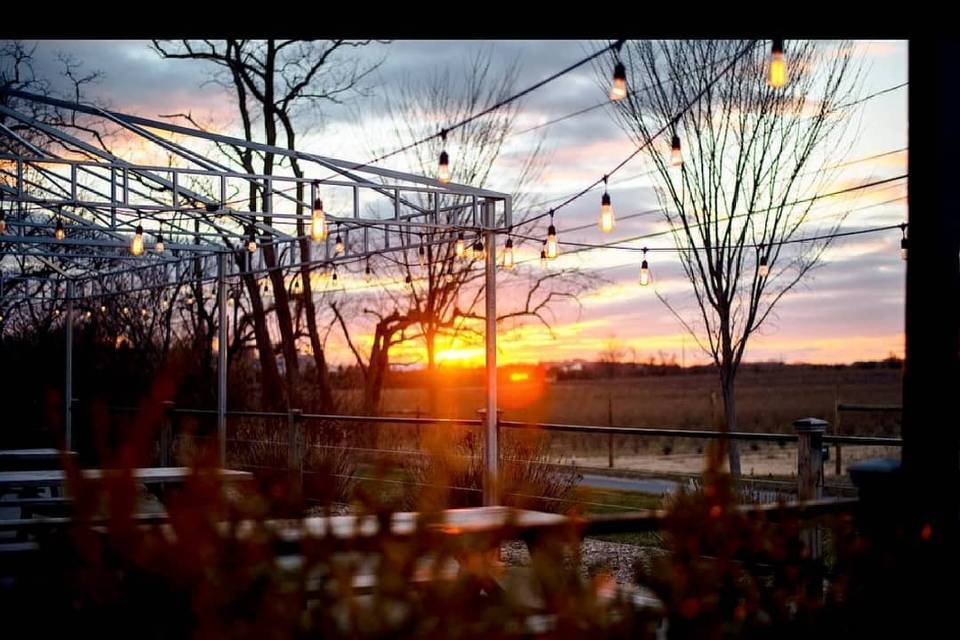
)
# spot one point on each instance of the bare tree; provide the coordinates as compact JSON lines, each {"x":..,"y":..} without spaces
{"x":443,"y":293}
{"x":753,"y":155}
{"x":275,"y":82}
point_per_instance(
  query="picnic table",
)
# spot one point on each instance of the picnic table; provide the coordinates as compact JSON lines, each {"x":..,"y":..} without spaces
{"x":148,"y":475}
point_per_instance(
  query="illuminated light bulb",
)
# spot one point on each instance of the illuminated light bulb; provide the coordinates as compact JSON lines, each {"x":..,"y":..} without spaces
{"x":143,"y":313}
{"x":764,"y":268}
{"x":189,"y":300}
{"x":296,"y":285}
{"x":553,"y":247}
{"x":460,"y":248}
{"x":903,"y":241}
{"x":3,"y":223}
{"x":338,"y":248}
{"x":136,"y":243}
{"x":318,"y":222}
{"x":59,"y":232}
{"x":86,"y":315}
{"x":252,"y":241}
{"x":125,"y":310}
{"x":777,"y":72}
{"x":478,"y":251}
{"x":618,"y":91}
{"x":443,"y":166}
{"x":56,"y":312}
{"x":644,"y":270}
{"x":606,"y":211}
{"x":543,"y":257}
{"x":448,"y":277}
{"x":103,"y":308}
{"x":508,"y":254}
{"x":159,"y":246}
{"x":676,"y":156}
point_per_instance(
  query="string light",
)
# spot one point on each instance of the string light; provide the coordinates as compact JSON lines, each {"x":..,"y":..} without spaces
{"x":338,"y":248}
{"x":460,"y":248}
{"x":368,"y":274}
{"x":333,"y":276}
{"x":478,"y":250}
{"x":903,"y":241}
{"x":59,"y":232}
{"x":618,"y":90}
{"x":764,"y":269}
{"x":408,"y":279}
{"x":606,"y":210}
{"x":777,"y":73}
{"x":103,"y":308}
{"x":136,"y":243}
{"x":508,"y":253}
{"x":552,"y":246}
{"x":252,"y":240}
{"x":159,"y":246}
{"x":421,"y":253}
{"x":318,"y":222}
{"x":543,"y":256}
{"x":676,"y":156}
{"x":443,"y":166}
{"x":644,"y":270}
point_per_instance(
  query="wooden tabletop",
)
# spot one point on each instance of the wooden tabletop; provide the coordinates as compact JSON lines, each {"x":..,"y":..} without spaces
{"x":149,"y":475}
{"x":450,"y":521}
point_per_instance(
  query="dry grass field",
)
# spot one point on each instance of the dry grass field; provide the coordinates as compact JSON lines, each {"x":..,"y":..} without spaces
{"x":769,"y":399}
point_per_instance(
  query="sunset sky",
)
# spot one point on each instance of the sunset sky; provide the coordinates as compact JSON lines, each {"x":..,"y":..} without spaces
{"x":851,"y":308}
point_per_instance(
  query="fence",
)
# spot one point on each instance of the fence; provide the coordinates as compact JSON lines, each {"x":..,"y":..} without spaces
{"x":288,"y":454}
{"x":841,"y":408}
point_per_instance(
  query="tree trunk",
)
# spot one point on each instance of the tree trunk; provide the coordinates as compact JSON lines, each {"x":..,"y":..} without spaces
{"x":730,"y":423}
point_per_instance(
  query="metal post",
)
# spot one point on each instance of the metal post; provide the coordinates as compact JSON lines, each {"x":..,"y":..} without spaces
{"x":295,"y":449}
{"x":810,"y":471}
{"x":490,"y":492}
{"x":68,"y":365}
{"x":838,"y":465}
{"x":610,"y":435}
{"x":222,"y":358}
{"x":166,"y":434}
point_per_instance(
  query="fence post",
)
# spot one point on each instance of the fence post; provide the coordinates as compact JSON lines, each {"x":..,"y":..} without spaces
{"x":295,"y":450}
{"x":166,"y":434}
{"x":610,"y":435}
{"x":810,"y":471}
{"x":838,"y":465}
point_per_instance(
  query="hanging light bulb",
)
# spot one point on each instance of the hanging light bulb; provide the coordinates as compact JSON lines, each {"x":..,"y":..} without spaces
{"x":644,"y":270}
{"x":3,"y":222}
{"x":764,"y":268}
{"x":421,"y":254}
{"x":449,"y":277}
{"x":103,"y":308}
{"x":543,"y":256}
{"x":143,"y":313}
{"x":676,"y":156}
{"x":443,"y":166}
{"x":126,"y":309}
{"x":252,"y":240}
{"x":296,"y":285}
{"x":606,"y":210}
{"x":59,"y":232}
{"x":88,"y":314}
{"x":333,"y":276}
{"x":460,"y":248}
{"x":136,"y":243}
{"x":190,"y":300}
{"x":777,"y":72}
{"x":618,"y":91}
{"x":159,"y":246}
{"x":318,"y":222}
{"x":368,"y":274}
{"x":903,"y":241}
{"x":56,"y":313}
{"x":338,"y":248}
{"x":478,"y":250}
{"x":408,"y":279}
{"x":508,"y":254}
{"x":553,"y":247}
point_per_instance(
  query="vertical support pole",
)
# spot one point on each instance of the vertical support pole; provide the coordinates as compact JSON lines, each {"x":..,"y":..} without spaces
{"x":68,"y":374}
{"x":491,"y":446}
{"x":222,"y":357}
{"x":295,"y":450}
{"x":810,"y":471}
{"x":166,"y":434}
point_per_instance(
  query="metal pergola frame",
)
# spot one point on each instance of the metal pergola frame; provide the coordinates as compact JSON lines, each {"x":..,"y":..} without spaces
{"x":101,"y":198}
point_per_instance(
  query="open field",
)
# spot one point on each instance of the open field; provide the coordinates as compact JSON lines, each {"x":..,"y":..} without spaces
{"x":769,"y":399}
